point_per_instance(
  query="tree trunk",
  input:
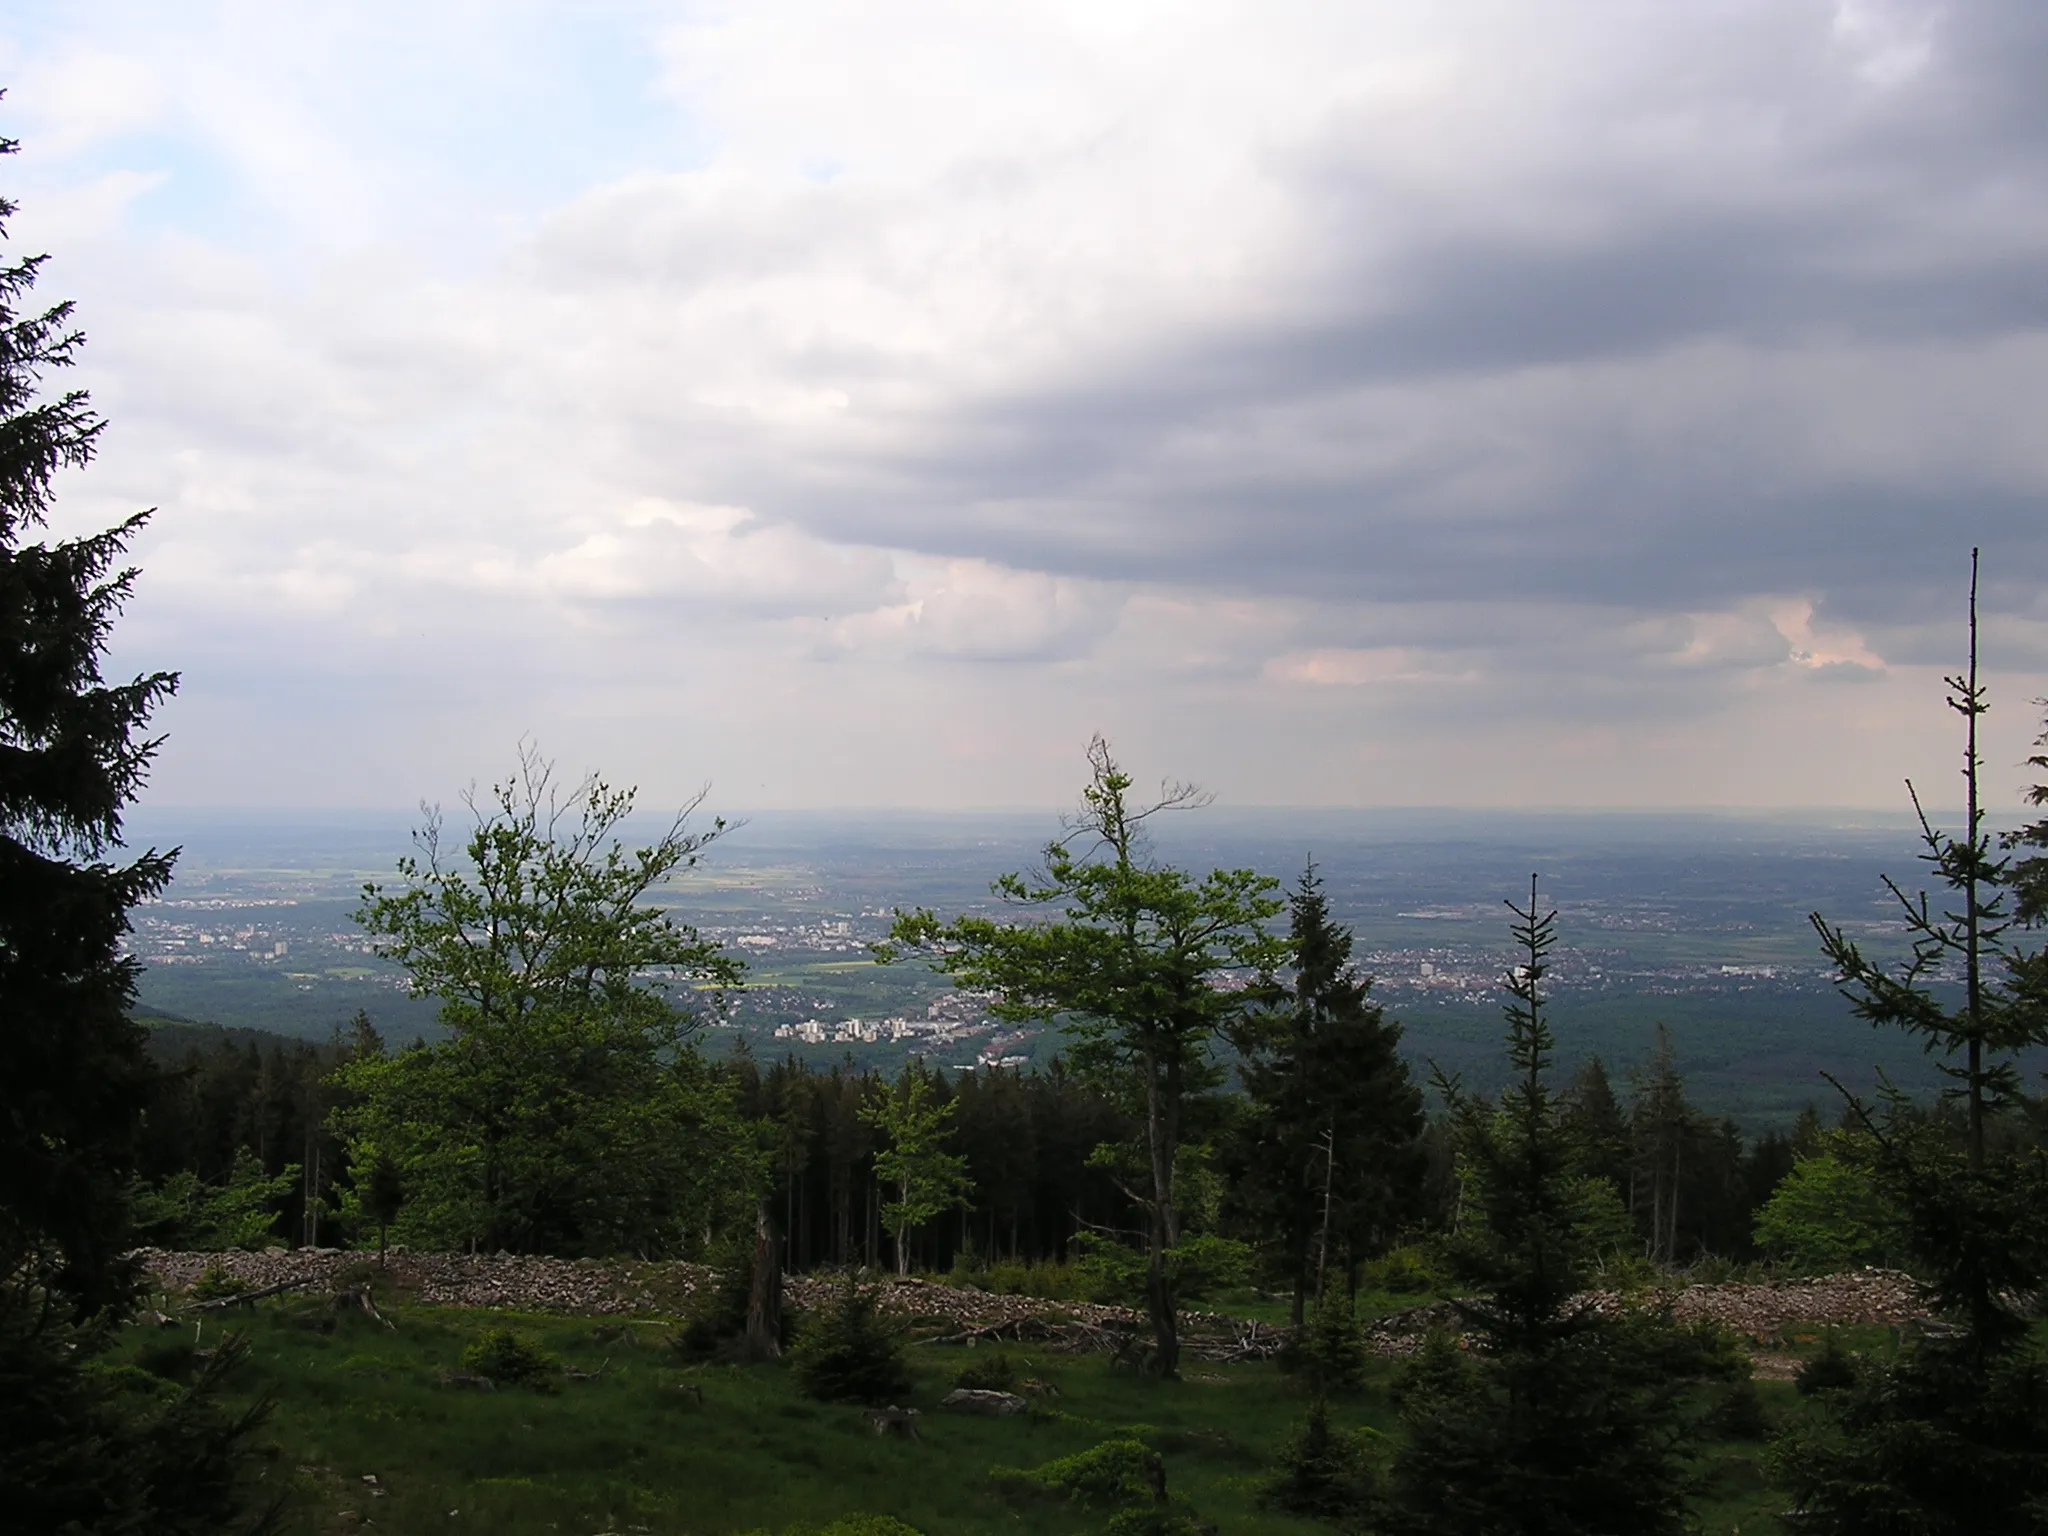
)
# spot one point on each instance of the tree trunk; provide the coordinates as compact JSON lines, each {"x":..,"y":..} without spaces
{"x":1158,"y":1287}
{"x":764,"y":1291}
{"x":1677,"y":1171}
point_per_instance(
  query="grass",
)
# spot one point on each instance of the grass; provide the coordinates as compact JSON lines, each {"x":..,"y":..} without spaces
{"x":631,"y":1452}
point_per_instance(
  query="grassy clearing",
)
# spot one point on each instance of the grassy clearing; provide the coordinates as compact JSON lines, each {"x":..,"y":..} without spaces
{"x":630,"y":1451}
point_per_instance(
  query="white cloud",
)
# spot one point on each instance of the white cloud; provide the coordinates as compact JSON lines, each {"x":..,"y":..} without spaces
{"x":1282,"y":386}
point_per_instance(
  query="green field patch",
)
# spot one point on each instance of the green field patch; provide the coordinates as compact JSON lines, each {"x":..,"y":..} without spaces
{"x":651,"y":1444}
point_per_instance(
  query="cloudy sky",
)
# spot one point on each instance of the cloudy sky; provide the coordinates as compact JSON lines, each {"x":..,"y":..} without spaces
{"x":1343,"y":404}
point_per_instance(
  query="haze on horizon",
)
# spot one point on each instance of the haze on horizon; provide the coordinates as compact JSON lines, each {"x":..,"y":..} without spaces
{"x":1461,"y":403}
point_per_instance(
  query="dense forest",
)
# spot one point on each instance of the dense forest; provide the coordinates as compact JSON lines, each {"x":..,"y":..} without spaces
{"x":244,"y":1117}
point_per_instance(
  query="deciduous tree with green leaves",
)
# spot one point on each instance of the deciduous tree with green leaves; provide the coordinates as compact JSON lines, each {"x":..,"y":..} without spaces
{"x":1828,"y":1213}
{"x":930,"y":1178}
{"x":1143,"y":964}
{"x":567,"y":1111}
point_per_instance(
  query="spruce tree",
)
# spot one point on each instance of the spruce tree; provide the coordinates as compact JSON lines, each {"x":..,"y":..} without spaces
{"x":1332,"y":1161}
{"x":1662,"y":1126}
{"x":73,"y":1074}
{"x":1599,"y":1129}
{"x":1559,"y":1419}
{"x":73,"y":1077}
{"x":1953,"y":1435}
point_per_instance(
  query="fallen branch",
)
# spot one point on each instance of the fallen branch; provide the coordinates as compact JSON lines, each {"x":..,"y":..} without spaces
{"x":246,"y":1297}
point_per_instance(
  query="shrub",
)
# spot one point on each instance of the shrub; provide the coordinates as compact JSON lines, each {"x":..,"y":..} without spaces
{"x":850,"y":1354}
{"x":1201,"y":1267}
{"x":850,"y":1525}
{"x":1108,"y":1271}
{"x":170,"y":1360}
{"x":510,"y":1359}
{"x":1204,"y":1266}
{"x":1154,"y":1520}
{"x":216,"y":1284}
{"x":1739,"y":1414}
{"x":1403,"y":1272}
{"x":1325,"y":1474}
{"x":1328,"y":1353}
{"x":1114,"y":1472}
{"x":1832,"y":1370}
{"x":1440,"y":1370}
{"x":1709,"y":1351}
{"x":134,"y":1380}
{"x":993,"y":1372}
{"x":1053,"y":1282}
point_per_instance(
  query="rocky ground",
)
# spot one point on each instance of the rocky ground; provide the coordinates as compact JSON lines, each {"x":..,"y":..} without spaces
{"x":1764,"y":1314}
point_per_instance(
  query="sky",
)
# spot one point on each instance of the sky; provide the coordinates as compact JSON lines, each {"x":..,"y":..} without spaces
{"x":1460,"y":403}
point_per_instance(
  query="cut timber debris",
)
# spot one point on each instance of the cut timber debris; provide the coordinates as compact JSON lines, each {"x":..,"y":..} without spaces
{"x":893,"y":1421}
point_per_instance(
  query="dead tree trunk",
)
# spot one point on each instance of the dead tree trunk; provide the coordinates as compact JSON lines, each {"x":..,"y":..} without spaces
{"x":764,"y":1289}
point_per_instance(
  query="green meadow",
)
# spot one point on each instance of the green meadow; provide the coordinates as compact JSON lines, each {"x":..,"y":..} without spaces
{"x":651,"y":1445}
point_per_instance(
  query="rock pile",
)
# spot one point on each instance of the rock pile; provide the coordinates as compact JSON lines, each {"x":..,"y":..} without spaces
{"x":948,"y":1314}
{"x":509,"y":1281}
{"x":583,"y":1287}
{"x":938,"y":1313}
{"x":1761,"y":1313}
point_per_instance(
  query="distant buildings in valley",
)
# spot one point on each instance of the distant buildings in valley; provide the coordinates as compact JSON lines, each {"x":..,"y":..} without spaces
{"x":949,"y":1016}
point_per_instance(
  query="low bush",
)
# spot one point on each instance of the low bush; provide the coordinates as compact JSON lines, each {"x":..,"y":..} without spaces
{"x":849,"y":1353}
{"x":1834,"y":1369}
{"x":992,"y":1372}
{"x":1155,"y":1520}
{"x":1402,"y":1272}
{"x":1438,"y":1370}
{"x":511,"y":1359}
{"x":1325,"y":1474}
{"x":216,"y":1284}
{"x":1739,"y":1414}
{"x":1202,"y":1267}
{"x":1327,"y":1354}
{"x":1112,"y":1473}
{"x":1709,"y":1351}
{"x":1009,"y":1277}
{"x":169,"y":1359}
{"x":850,"y":1525}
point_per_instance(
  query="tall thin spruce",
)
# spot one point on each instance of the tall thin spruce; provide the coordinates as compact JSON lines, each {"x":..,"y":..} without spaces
{"x":1558,"y":1418}
{"x":1953,"y":1435}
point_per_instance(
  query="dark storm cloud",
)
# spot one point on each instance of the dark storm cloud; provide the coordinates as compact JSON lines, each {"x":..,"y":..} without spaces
{"x":1457,"y":400}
